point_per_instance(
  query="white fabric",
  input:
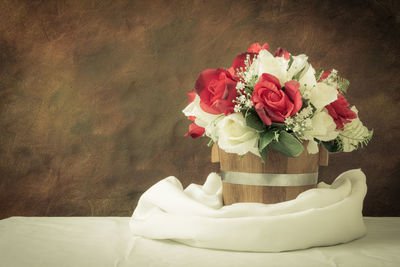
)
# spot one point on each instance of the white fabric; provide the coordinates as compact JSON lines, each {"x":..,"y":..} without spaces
{"x":107,"y":241}
{"x":327,"y":215}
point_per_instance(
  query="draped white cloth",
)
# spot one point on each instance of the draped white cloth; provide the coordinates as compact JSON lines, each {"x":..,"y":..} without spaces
{"x":327,"y":215}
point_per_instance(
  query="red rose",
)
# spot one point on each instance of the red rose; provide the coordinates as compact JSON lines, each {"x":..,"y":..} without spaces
{"x":256,"y":48}
{"x":340,"y":111}
{"x":324,"y":75}
{"x":272,"y":103}
{"x":238,"y":63}
{"x":282,"y":52}
{"x":194,"y":130}
{"x":217,"y":90}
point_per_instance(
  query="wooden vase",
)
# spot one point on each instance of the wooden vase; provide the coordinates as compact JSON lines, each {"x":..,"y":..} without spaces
{"x":276,"y":164}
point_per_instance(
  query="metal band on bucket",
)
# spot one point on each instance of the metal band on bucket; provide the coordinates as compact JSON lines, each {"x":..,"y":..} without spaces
{"x":269,"y":179}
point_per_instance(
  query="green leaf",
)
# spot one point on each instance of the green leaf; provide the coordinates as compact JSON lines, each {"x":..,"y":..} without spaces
{"x":265,"y":139}
{"x":297,"y":75}
{"x":343,"y":84}
{"x":210,"y":143}
{"x":334,"y":145}
{"x":263,"y":154}
{"x":288,"y":145}
{"x":253,"y":121}
{"x":290,"y":62}
{"x":280,"y":126}
{"x":319,"y":73}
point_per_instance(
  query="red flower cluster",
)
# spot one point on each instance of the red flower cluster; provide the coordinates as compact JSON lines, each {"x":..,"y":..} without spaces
{"x":217,"y":90}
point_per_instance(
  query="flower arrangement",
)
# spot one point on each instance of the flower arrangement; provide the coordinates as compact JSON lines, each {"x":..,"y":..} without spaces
{"x":274,"y":101}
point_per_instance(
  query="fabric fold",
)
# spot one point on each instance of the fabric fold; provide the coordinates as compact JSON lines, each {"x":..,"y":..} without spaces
{"x":326,"y":215}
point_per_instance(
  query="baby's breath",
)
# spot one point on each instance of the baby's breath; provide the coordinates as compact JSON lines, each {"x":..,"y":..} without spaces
{"x":248,"y":78}
{"x":242,"y":100}
{"x":249,"y":103}
{"x":240,"y":85}
{"x":249,"y":73}
{"x":300,"y":122}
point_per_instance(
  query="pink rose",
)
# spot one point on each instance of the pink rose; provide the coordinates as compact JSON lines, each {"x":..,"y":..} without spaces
{"x":217,"y":90}
{"x":272,"y":103}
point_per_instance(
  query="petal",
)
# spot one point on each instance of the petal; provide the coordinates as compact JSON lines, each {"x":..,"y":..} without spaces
{"x":239,"y":61}
{"x":292,"y":90}
{"x":312,"y":147}
{"x":282,"y":52}
{"x":192,"y":95}
{"x":270,"y":78}
{"x":274,"y":116}
{"x":263,"y":115}
{"x":324,"y":75}
{"x":195,"y":131}
{"x":254,"y":48}
{"x":203,"y":82}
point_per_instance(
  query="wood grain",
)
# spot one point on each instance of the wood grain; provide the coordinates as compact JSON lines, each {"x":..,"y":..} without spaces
{"x":234,"y":193}
{"x":323,"y":156}
{"x":275,"y":163}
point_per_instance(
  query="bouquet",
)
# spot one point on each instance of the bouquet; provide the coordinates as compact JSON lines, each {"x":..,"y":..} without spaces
{"x":274,"y":101}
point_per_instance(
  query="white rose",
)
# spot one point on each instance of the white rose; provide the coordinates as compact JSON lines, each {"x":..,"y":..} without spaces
{"x":322,"y":95}
{"x":234,"y":136}
{"x":323,"y":127}
{"x":276,"y":66}
{"x":299,"y":63}
{"x":307,"y":79}
{"x":203,"y":119}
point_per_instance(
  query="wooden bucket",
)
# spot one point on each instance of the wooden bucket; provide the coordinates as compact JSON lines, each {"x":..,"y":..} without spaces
{"x":247,"y":179}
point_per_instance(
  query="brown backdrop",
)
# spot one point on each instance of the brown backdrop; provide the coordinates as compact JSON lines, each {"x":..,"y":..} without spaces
{"x":91,"y":93}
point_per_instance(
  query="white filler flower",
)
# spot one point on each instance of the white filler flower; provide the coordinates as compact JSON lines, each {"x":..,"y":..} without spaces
{"x":235,"y":137}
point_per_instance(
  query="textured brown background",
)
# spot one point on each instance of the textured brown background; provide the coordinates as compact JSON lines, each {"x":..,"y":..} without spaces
{"x":91,"y":92}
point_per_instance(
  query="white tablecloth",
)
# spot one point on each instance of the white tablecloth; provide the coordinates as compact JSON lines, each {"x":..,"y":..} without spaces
{"x":107,"y":241}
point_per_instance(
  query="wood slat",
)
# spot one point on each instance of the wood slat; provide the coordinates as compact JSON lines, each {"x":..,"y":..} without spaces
{"x":276,"y":163}
{"x":234,"y":193}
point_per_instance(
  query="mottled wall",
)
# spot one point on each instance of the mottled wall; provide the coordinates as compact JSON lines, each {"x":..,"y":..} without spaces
{"x":91,"y":92}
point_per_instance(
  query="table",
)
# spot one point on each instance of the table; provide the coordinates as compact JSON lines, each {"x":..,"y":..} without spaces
{"x":107,"y":241}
